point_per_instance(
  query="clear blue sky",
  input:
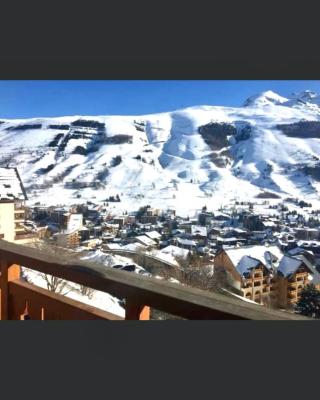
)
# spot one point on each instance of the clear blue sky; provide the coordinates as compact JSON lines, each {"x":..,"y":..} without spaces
{"x":24,"y":99}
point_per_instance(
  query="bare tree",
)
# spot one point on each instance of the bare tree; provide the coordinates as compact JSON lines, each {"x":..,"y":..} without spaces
{"x":53,"y":283}
{"x":86,"y":291}
{"x":56,"y":285}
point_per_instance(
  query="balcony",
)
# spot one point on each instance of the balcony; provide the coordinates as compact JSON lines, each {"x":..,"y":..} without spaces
{"x":300,"y":275}
{"x":21,"y":300}
{"x":292,"y":294}
{"x":19,"y":215}
{"x":293,"y":285}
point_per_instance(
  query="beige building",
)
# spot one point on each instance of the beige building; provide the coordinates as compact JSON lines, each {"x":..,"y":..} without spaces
{"x":7,"y":220}
{"x":12,"y":207}
{"x":67,"y":238}
{"x":250,"y":270}
{"x":264,"y":274}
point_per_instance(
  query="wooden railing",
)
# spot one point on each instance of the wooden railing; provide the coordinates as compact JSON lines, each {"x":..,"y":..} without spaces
{"x":21,"y":300}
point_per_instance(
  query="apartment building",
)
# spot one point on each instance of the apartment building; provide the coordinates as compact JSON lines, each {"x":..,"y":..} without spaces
{"x":293,"y":276}
{"x":251,"y":270}
{"x":263,"y":273}
{"x":69,"y":239}
{"x":12,"y":207}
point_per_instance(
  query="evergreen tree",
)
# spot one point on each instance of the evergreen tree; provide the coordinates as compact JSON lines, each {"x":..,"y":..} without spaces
{"x":309,"y":302}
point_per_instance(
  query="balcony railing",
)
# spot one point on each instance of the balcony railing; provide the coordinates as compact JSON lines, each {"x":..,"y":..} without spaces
{"x":21,"y":300}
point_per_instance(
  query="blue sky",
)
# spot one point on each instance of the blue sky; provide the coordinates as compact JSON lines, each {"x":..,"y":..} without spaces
{"x":24,"y":99}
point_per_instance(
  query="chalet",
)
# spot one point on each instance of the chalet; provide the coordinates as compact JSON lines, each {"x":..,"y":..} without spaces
{"x":258,"y":236}
{"x":145,"y":241}
{"x":230,"y":241}
{"x":187,"y":244}
{"x":174,"y":252}
{"x":221,"y":216}
{"x":240,"y":233}
{"x":154,"y":235}
{"x":250,"y":270}
{"x":198,"y":232}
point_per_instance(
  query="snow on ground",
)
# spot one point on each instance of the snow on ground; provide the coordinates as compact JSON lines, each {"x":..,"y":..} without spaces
{"x":98,"y":299}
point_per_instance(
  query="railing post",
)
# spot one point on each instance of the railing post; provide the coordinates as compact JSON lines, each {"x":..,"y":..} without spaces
{"x":8,"y":273}
{"x":137,"y":312}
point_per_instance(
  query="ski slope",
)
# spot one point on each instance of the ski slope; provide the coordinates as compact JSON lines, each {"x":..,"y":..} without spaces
{"x":164,"y":159}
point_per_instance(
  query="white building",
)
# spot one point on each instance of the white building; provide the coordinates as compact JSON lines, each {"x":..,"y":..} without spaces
{"x":12,"y":213}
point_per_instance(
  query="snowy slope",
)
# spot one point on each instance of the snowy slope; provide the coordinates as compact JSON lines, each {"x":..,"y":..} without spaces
{"x":184,"y":159}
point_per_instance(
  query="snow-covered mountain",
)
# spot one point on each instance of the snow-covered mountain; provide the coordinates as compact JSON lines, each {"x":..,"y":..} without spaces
{"x":185,"y":159}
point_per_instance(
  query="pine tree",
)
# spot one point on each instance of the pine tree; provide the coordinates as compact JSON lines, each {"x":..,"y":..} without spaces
{"x":309,"y":302}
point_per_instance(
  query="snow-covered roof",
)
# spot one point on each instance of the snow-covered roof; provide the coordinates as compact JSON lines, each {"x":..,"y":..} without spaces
{"x":265,"y":254}
{"x":308,"y":243}
{"x":132,"y":246}
{"x":246,"y":264}
{"x":153,"y":235}
{"x":145,"y":240}
{"x":113,"y":246}
{"x":11,"y":187}
{"x":175,"y":251}
{"x":298,"y":250}
{"x":269,"y":223}
{"x":239,"y":230}
{"x":186,"y":242}
{"x":289,"y":265}
{"x":75,"y":221}
{"x":199,"y":230}
{"x":229,"y":239}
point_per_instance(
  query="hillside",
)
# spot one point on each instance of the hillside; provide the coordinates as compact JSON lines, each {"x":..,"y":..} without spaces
{"x":184,"y":159}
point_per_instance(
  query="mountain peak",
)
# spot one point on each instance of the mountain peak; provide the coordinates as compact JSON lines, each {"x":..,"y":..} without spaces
{"x":306,"y":96}
{"x":267,"y":97}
